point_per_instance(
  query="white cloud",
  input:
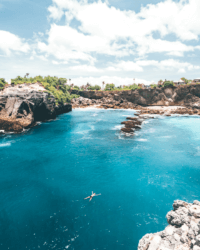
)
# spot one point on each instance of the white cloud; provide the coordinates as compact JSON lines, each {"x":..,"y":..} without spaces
{"x":98,"y":38}
{"x":55,"y":62}
{"x":125,"y":66}
{"x":104,"y":29}
{"x":171,"y":64}
{"x":55,"y":13}
{"x":85,"y":68}
{"x":181,"y":71}
{"x":138,"y":66}
{"x":180,"y":18}
{"x":10,"y":42}
{"x":108,"y":79}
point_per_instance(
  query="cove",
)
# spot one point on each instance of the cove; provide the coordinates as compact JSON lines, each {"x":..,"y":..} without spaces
{"x":46,"y":173}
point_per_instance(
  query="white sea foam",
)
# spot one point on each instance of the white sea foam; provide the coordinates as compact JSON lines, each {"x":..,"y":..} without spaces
{"x":141,"y":139}
{"x":95,"y":114}
{"x":7,"y":144}
{"x":165,"y":136}
{"x":117,"y":127}
{"x":140,"y":147}
{"x":92,"y":127}
{"x":151,"y":130}
{"x":82,"y":132}
{"x":198,"y":151}
{"x":120,"y":109}
{"x":88,"y":108}
{"x":128,"y":115}
{"x":26,"y":130}
{"x":120,"y":137}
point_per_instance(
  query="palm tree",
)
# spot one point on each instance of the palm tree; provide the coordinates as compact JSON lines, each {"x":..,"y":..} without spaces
{"x":88,"y":85}
{"x":103,"y":83}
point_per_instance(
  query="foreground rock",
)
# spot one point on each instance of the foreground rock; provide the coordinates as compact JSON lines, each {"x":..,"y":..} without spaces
{"x":182,"y":233}
{"x":24,"y":105}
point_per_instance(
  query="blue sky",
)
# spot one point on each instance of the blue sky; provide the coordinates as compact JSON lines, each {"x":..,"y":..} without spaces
{"x":95,"y":41}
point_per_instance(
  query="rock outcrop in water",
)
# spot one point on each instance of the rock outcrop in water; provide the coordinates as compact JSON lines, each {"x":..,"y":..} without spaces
{"x":182,"y":233}
{"x":151,"y":112}
{"x":23,"y":105}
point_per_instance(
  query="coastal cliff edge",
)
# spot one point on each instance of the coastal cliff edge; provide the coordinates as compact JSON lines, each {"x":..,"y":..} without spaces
{"x":182,"y":233}
{"x":23,"y":105}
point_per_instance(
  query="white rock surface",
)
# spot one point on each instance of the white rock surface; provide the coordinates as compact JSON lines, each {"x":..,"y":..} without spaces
{"x":182,"y":233}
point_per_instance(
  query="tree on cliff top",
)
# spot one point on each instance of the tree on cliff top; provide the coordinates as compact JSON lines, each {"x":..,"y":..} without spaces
{"x":54,"y":85}
{"x":96,"y":87}
{"x":187,"y":81}
{"x":76,"y":87}
{"x":168,"y":84}
{"x":2,"y":83}
{"x":109,"y":87}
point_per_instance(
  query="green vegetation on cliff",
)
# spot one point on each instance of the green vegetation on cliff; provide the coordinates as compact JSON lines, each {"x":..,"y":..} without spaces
{"x":111,"y":87}
{"x":56,"y":86}
{"x":168,"y":84}
{"x":2,"y":83}
{"x":96,"y":87}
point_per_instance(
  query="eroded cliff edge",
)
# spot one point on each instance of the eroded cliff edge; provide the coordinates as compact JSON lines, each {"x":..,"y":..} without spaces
{"x":187,"y":95}
{"x":24,"y":105}
{"x":182,"y":233}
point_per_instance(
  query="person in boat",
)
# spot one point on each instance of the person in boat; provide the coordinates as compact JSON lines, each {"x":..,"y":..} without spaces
{"x":91,"y":196}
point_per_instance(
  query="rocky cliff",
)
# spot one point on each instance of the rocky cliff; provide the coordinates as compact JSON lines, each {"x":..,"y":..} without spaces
{"x":182,"y":233}
{"x":182,"y":95}
{"x":23,"y":105}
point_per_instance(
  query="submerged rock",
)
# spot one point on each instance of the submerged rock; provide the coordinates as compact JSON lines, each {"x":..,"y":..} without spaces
{"x":182,"y":233}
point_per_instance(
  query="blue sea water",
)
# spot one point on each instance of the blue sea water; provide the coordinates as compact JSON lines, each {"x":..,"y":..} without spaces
{"x":46,"y":172}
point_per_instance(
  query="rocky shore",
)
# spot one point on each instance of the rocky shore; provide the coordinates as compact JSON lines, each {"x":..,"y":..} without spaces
{"x":143,"y":113}
{"x":182,"y":233}
{"x":22,"y":106}
{"x":134,"y":123}
{"x":104,"y":102}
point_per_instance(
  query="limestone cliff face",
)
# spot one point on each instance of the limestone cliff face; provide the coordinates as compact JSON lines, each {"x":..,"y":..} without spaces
{"x":182,"y":233}
{"x":182,"y":95}
{"x":22,"y":106}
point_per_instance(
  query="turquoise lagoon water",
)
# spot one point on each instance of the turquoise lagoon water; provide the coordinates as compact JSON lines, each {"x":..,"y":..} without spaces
{"x":46,"y":172}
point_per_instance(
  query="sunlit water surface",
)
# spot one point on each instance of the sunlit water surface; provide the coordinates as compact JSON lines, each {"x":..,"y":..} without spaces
{"x":46,"y":172}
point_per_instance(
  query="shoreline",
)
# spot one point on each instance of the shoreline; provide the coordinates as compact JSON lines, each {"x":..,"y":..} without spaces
{"x":139,"y":116}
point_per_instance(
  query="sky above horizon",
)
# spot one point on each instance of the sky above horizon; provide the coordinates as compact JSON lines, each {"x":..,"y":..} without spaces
{"x":114,"y":41}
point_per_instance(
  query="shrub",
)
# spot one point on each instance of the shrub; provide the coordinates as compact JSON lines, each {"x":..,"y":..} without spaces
{"x":96,"y":87}
{"x":134,"y":86}
{"x":2,"y":83}
{"x":153,"y":86}
{"x":76,"y":87}
{"x":168,"y":84}
{"x":110,"y":87}
{"x":54,"y":86}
